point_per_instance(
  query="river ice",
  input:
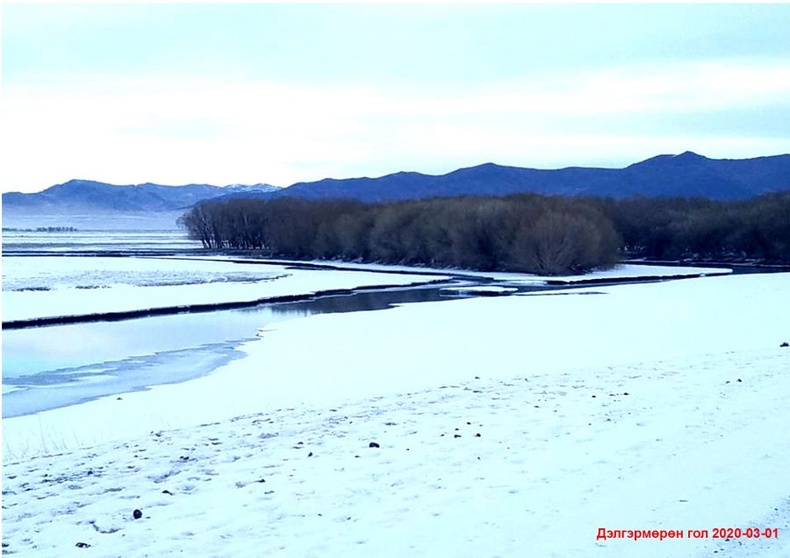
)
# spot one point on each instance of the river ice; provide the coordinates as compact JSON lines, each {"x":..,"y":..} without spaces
{"x":650,"y":406}
{"x":506,"y":426}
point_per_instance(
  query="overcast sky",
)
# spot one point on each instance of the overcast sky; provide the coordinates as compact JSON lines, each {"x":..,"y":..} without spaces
{"x":281,"y":93}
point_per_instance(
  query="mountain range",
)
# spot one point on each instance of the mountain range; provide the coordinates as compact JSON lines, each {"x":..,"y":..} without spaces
{"x":87,"y":195}
{"x":684,"y":175}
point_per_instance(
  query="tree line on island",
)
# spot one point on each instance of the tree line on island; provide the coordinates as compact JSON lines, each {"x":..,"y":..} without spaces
{"x":547,"y":235}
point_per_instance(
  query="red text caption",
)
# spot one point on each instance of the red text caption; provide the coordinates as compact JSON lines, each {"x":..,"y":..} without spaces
{"x":661,"y":534}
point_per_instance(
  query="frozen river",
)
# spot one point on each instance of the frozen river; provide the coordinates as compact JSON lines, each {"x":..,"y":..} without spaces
{"x":55,"y":366}
{"x":510,"y":425}
{"x":105,"y":337}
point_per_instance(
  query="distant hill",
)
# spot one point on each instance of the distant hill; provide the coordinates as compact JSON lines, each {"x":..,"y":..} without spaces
{"x":86,"y":205}
{"x":685,"y":175}
{"x":79,"y":196}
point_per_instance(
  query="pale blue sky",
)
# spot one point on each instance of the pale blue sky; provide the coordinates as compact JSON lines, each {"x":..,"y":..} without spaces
{"x":279,"y":93}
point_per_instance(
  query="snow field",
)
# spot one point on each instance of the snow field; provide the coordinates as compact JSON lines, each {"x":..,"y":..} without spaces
{"x":558,"y":456}
{"x":93,"y":285}
{"x":543,"y":378}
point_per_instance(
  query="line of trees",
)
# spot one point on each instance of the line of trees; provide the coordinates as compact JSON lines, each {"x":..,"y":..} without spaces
{"x":528,"y":233}
{"x":704,"y":230}
{"x":524,"y":232}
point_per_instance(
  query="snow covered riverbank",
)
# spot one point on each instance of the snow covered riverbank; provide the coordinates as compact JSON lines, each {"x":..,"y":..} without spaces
{"x":531,"y":466}
{"x":699,"y":441}
{"x":52,"y":286}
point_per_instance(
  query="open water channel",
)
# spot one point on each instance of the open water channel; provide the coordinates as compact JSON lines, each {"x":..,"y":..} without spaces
{"x":64,"y":364}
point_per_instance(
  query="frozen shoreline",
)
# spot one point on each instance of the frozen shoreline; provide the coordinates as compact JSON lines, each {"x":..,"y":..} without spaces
{"x":69,"y":364}
{"x":557,"y":457}
{"x":45,"y":290}
{"x":118,"y":289}
{"x":435,"y":342}
{"x":689,"y":447}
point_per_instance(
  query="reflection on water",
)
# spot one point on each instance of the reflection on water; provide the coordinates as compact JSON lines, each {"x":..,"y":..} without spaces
{"x":49,"y":367}
{"x":358,"y":302}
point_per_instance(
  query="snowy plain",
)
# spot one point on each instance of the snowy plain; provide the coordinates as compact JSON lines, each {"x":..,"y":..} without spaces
{"x":64,"y":242}
{"x":648,"y":406}
{"x":17,"y":223}
{"x":55,"y":286}
{"x":620,"y":271}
